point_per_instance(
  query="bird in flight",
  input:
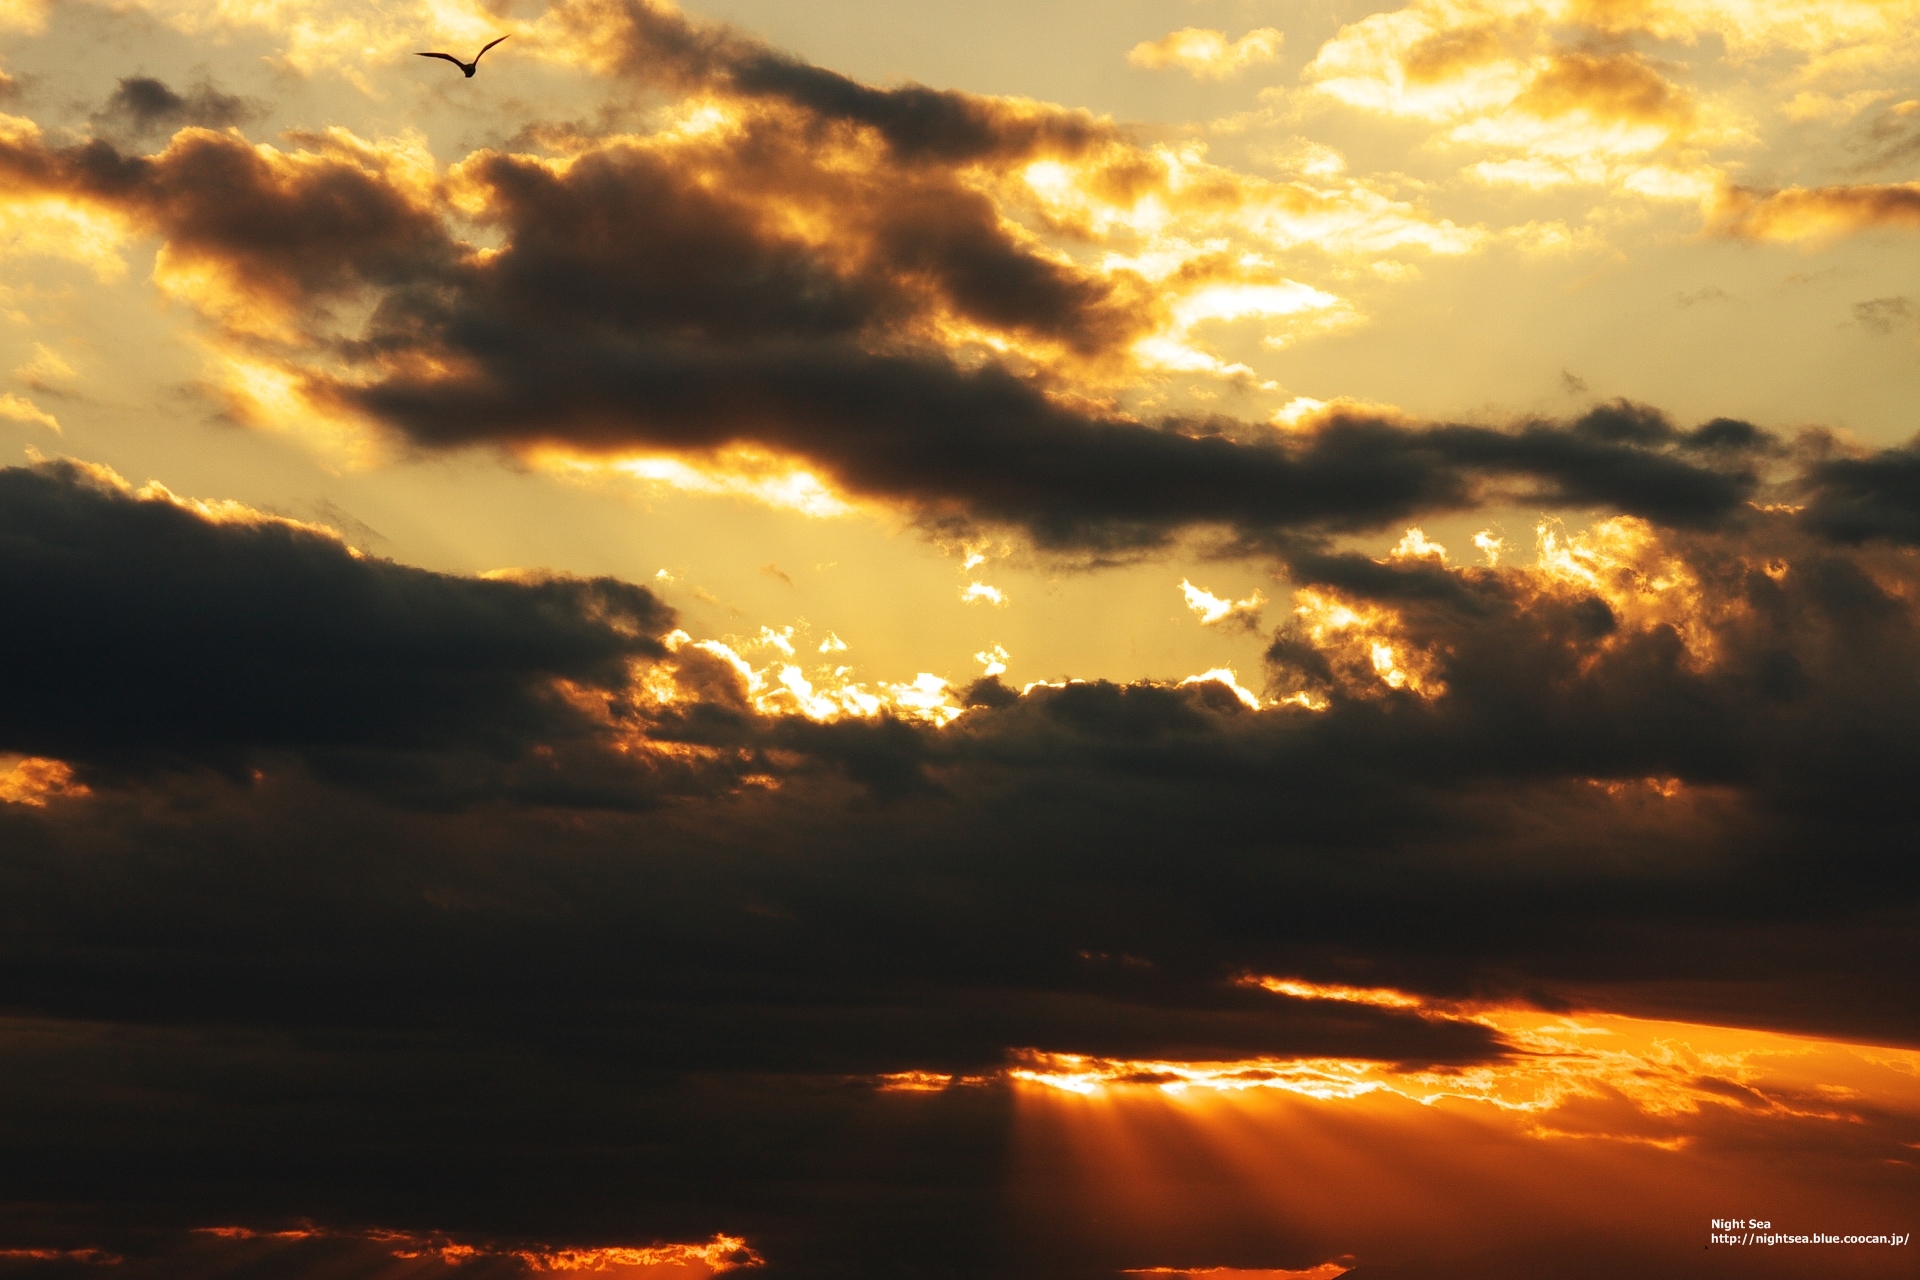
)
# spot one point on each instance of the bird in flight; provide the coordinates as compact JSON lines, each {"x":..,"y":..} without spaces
{"x":468,"y":67}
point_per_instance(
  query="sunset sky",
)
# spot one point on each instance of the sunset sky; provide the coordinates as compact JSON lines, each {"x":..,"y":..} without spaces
{"x":1207,"y":637}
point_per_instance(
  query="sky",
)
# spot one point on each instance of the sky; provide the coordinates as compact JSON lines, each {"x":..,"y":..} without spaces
{"x":1181,"y":637}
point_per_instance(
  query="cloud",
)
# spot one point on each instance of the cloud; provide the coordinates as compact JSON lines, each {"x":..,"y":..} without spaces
{"x":24,"y":15}
{"x":20,"y":409}
{"x":1212,"y":609}
{"x":48,"y":371}
{"x":738,"y":322}
{"x":905,"y":225}
{"x":1537,"y":89}
{"x":1871,"y":496}
{"x":343,"y":891}
{"x":1642,"y":735}
{"x":1884,"y":315}
{"x":1207,"y":54}
{"x":657,"y":43}
{"x":252,"y":233}
{"x":992,"y":447}
{"x":1602,"y":773}
{"x":176,"y":634}
{"x":1815,"y":213}
{"x":142,"y":106}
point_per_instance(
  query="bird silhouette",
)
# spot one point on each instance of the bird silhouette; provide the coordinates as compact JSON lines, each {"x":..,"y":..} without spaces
{"x":468,"y":67}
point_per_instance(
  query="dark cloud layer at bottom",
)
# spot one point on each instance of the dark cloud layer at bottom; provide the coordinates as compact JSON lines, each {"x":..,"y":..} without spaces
{"x":293,"y":1003}
{"x":286,"y":990}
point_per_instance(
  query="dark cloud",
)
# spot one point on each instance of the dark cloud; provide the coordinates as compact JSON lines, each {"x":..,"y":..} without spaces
{"x":142,"y":106}
{"x":1873,"y":496}
{"x":988,"y":445}
{"x":659,"y":296}
{"x":710,"y":270}
{"x":709,"y":332}
{"x":1761,"y":689}
{"x":163,"y":637}
{"x":1706,"y":293}
{"x":1780,"y":642}
{"x":286,"y":231}
{"x":659,"y":44}
{"x":1884,"y":315}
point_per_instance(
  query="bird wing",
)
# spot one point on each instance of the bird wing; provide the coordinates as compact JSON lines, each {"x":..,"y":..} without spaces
{"x":449,"y":57}
{"x":490,"y":44}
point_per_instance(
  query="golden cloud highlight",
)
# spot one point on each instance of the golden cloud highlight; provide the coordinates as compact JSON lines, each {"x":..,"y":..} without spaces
{"x":1225,"y":677}
{"x":61,"y":228}
{"x":1503,"y":78}
{"x":1645,"y":584}
{"x":781,"y":687}
{"x":20,"y":409}
{"x":753,"y":474}
{"x":1366,"y":645}
{"x":1212,"y":609}
{"x":1207,"y":54}
{"x":34,"y":780}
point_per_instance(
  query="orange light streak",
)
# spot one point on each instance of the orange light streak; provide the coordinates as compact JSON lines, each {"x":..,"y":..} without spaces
{"x":712,"y":1257}
{"x":1383,"y":997}
{"x":1325,"y":1271}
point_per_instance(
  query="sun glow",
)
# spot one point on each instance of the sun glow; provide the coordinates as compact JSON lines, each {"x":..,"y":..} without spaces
{"x":1585,"y":1119}
{"x":735,"y":473}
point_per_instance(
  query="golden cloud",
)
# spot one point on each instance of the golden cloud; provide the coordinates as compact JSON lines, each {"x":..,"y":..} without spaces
{"x":1815,"y":213}
{"x":34,"y":780}
{"x":1558,"y":93}
{"x":1207,"y":54}
{"x":20,"y":409}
